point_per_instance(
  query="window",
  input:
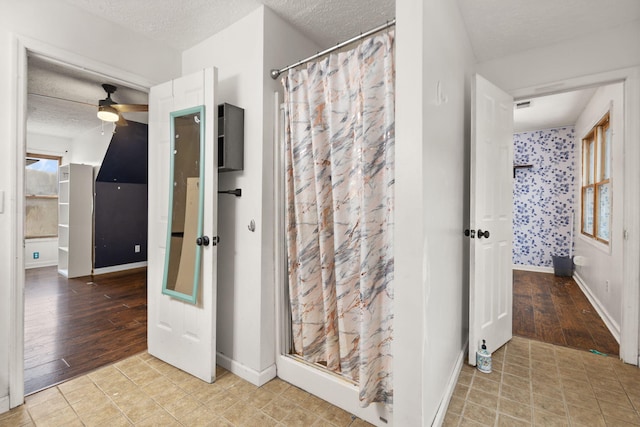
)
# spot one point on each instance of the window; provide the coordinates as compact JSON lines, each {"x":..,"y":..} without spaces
{"x":41,"y":191}
{"x":596,"y":182}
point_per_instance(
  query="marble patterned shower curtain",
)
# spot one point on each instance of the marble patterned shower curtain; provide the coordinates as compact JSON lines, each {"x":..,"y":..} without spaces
{"x":340,"y":136}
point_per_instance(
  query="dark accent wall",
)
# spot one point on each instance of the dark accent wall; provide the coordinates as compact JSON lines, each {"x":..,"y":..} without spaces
{"x":126,"y":157}
{"x":121,"y":212}
{"x":120,"y":223}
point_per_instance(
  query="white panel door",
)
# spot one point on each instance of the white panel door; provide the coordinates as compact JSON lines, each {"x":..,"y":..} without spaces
{"x":491,"y":292}
{"x":181,"y":333}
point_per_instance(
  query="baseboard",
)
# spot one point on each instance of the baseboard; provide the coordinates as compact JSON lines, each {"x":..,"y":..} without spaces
{"x":254,"y":377}
{"x":30,"y":265}
{"x":534,"y":268}
{"x":118,"y":268}
{"x":613,"y":327}
{"x":451,"y":385}
{"x":4,"y":404}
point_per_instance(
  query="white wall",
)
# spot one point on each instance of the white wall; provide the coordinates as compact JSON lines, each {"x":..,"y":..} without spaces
{"x":76,"y":33}
{"x":603,"y":263}
{"x":90,"y":147}
{"x":47,"y":249}
{"x":243,"y":54}
{"x":431,"y":295}
{"x":616,"y":48}
{"x":49,"y":145}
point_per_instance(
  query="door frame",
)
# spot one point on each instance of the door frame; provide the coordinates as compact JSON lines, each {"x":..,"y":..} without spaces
{"x":630,"y":77}
{"x":20,"y":47}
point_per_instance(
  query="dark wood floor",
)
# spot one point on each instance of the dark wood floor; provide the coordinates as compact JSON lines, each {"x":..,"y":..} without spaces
{"x":553,"y":309}
{"x":73,"y":326}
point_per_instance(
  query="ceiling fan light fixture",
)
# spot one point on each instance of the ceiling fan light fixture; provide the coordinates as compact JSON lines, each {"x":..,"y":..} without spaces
{"x":108,"y":114}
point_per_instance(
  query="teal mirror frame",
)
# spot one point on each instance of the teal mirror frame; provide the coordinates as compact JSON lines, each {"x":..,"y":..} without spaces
{"x":168,"y":288}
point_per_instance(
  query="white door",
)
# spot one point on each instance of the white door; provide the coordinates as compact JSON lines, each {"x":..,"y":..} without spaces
{"x":181,"y":333}
{"x":491,"y":292}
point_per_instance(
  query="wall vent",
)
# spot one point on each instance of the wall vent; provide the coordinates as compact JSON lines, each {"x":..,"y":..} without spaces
{"x":523,"y":104}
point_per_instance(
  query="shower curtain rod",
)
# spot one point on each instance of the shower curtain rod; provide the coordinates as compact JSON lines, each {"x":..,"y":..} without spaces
{"x":275,"y":72}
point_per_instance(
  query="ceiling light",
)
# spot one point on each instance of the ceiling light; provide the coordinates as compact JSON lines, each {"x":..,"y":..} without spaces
{"x":107,"y":113}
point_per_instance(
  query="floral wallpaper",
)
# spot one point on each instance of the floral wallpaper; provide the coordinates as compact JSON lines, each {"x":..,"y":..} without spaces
{"x":544,"y":196}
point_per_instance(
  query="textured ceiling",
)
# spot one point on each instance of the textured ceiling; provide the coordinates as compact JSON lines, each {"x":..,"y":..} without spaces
{"x":63,"y":101}
{"x":182,"y":24}
{"x":499,"y":28}
{"x":496,"y":28}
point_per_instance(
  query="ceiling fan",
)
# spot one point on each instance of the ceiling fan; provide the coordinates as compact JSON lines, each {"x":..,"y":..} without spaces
{"x":110,"y":111}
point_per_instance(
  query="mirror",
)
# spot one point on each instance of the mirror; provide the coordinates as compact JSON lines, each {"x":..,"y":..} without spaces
{"x":186,"y":195}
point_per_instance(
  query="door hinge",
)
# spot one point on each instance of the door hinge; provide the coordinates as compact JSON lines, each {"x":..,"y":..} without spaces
{"x":625,"y":235}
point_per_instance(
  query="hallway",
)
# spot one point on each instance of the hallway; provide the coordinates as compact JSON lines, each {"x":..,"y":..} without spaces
{"x":554,"y":310}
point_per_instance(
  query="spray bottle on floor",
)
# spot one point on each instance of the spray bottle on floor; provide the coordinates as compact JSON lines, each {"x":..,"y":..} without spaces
{"x":483,"y":359}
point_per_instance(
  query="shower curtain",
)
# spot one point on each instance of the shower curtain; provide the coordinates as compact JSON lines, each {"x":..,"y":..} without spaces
{"x":339,"y":137}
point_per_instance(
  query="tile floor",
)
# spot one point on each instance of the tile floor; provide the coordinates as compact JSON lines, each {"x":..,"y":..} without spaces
{"x":533,"y":383}
{"x":144,"y":391}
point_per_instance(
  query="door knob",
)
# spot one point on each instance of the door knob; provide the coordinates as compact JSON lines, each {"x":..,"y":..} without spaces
{"x":202,"y":241}
{"x":482,"y":234}
{"x":470,"y":233}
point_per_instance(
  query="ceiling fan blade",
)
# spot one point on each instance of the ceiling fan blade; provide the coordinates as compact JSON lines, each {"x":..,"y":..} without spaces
{"x":130,"y":108}
{"x":122,"y":122}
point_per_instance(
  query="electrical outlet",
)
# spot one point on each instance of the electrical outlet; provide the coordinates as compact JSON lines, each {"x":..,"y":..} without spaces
{"x":36,"y":255}
{"x":606,"y":286}
{"x":136,"y":248}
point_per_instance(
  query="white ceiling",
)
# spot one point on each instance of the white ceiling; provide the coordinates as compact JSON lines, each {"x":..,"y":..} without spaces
{"x":496,"y":28}
{"x":551,"y":111}
{"x":499,"y":28}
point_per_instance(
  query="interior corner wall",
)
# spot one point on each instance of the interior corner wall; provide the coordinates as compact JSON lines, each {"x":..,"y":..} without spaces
{"x":601,"y":264}
{"x":237,"y":52}
{"x":243,"y":54}
{"x":283,"y":45}
{"x":54,"y":24}
{"x":544,"y":196}
{"x":432,"y":133}
{"x":617,"y":48}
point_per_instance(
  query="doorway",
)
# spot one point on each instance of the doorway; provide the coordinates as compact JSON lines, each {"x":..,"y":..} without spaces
{"x":548,"y":217}
{"x":17,"y":316}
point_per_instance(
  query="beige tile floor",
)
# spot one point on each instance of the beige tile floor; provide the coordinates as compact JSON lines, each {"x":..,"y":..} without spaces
{"x":144,"y":391}
{"x":534,"y":383}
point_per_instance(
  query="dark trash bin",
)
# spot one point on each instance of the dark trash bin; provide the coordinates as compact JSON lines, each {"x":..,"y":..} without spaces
{"x":562,"y":266}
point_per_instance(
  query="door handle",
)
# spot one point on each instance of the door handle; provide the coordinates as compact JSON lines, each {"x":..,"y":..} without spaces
{"x":202,"y":241}
{"x":484,"y":234}
{"x":470,"y":233}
